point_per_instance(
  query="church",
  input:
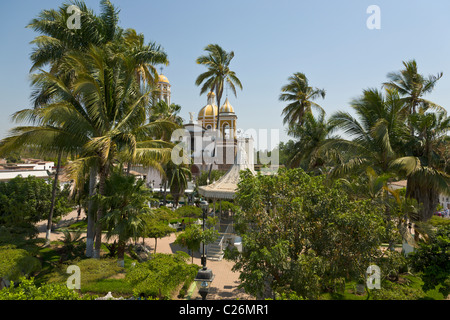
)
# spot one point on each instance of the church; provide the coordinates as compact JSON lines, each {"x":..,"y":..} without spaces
{"x":206,"y":134}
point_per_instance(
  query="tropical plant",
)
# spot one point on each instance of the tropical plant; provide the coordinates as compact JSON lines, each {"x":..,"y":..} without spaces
{"x":423,"y":164}
{"x":292,"y":219}
{"x":300,"y":97}
{"x":99,"y":58}
{"x":310,"y":136}
{"x":375,"y":137}
{"x":126,"y":205}
{"x":412,"y":86}
{"x":217,"y":60}
{"x":177,"y":178}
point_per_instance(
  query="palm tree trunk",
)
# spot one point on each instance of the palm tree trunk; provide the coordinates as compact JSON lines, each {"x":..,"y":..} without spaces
{"x":52,"y":205}
{"x":98,"y":229}
{"x":90,"y":215}
{"x":128,"y":168}
{"x":121,"y":253}
{"x":215,"y":141}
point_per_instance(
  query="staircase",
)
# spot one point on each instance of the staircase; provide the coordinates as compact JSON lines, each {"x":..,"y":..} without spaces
{"x":214,"y":250}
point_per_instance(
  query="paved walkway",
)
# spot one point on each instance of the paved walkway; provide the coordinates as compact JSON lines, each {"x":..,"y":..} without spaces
{"x":224,"y":286}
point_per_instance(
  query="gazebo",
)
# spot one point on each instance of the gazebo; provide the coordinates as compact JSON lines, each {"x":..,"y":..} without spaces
{"x":225,"y":189}
{"x":226,"y":186}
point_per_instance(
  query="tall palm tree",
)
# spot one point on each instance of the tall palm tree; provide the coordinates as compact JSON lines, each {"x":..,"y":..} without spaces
{"x":412,"y":86}
{"x":301,"y":98}
{"x":57,"y":41}
{"x":423,"y":165}
{"x":217,"y":60}
{"x":375,"y":136}
{"x":104,"y":111}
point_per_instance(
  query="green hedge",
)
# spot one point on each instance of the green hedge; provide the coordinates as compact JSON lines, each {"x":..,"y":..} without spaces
{"x":162,"y":275}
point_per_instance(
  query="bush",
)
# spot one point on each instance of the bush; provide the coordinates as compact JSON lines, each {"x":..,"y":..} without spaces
{"x":395,"y":291}
{"x":432,"y":260}
{"x":189,"y":211}
{"x":16,"y":263}
{"x":161,"y":275}
{"x":27,"y":290}
{"x":92,"y":270}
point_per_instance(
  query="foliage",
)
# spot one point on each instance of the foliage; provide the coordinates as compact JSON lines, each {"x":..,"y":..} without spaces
{"x":161,"y":275}
{"x":27,"y":290}
{"x":202,"y":179}
{"x":291,"y":220}
{"x":432,"y":260}
{"x":25,"y":201}
{"x":126,"y":205}
{"x":189,"y":211}
{"x":92,"y":270}
{"x":396,"y":291}
{"x":16,"y":263}
{"x":194,"y":236}
{"x":72,"y":244}
{"x":301,"y":98}
{"x":224,"y":205}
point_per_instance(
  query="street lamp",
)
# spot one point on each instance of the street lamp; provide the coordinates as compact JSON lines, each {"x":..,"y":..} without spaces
{"x":203,"y":279}
{"x":204,"y":276}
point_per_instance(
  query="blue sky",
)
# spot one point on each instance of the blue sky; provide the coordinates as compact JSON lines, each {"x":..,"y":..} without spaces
{"x":327,"y":40}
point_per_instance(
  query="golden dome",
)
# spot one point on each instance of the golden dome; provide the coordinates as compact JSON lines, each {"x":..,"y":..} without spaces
{"x":208,"y":111}
{"x":226,"y":107}
{"x":163,"y":78}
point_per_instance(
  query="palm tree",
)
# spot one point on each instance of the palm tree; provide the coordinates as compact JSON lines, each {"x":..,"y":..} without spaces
{"x":412,"y":86}
{"x":177,"y":178}
{"x":161,"y":110}
{"x":311,"y":136}
{"x":103,"y":114}
{"x":115,"y":107}
{"x":217,"y":60}
{"x":57,"y":41}
{"x":126,"y":208}
{"x":423,"y":165}
{"x":375,"y":136}
{"x":301,"y":96}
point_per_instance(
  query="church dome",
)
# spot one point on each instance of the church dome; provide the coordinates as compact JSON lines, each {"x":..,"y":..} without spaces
{"x":163,"y":78}
{"x":226,"y":107}
{"x":208,"y":111}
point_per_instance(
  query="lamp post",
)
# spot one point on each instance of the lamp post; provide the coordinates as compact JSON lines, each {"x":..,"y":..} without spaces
{"x":204,"y":276}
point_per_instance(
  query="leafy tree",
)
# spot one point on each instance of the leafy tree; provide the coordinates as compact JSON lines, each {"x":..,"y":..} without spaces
{"x":25,"y":201}
{"x":194,"y":236}
{"x":290,"y":220}
{"x":16,"y":263}
{"x":432,"y":260}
